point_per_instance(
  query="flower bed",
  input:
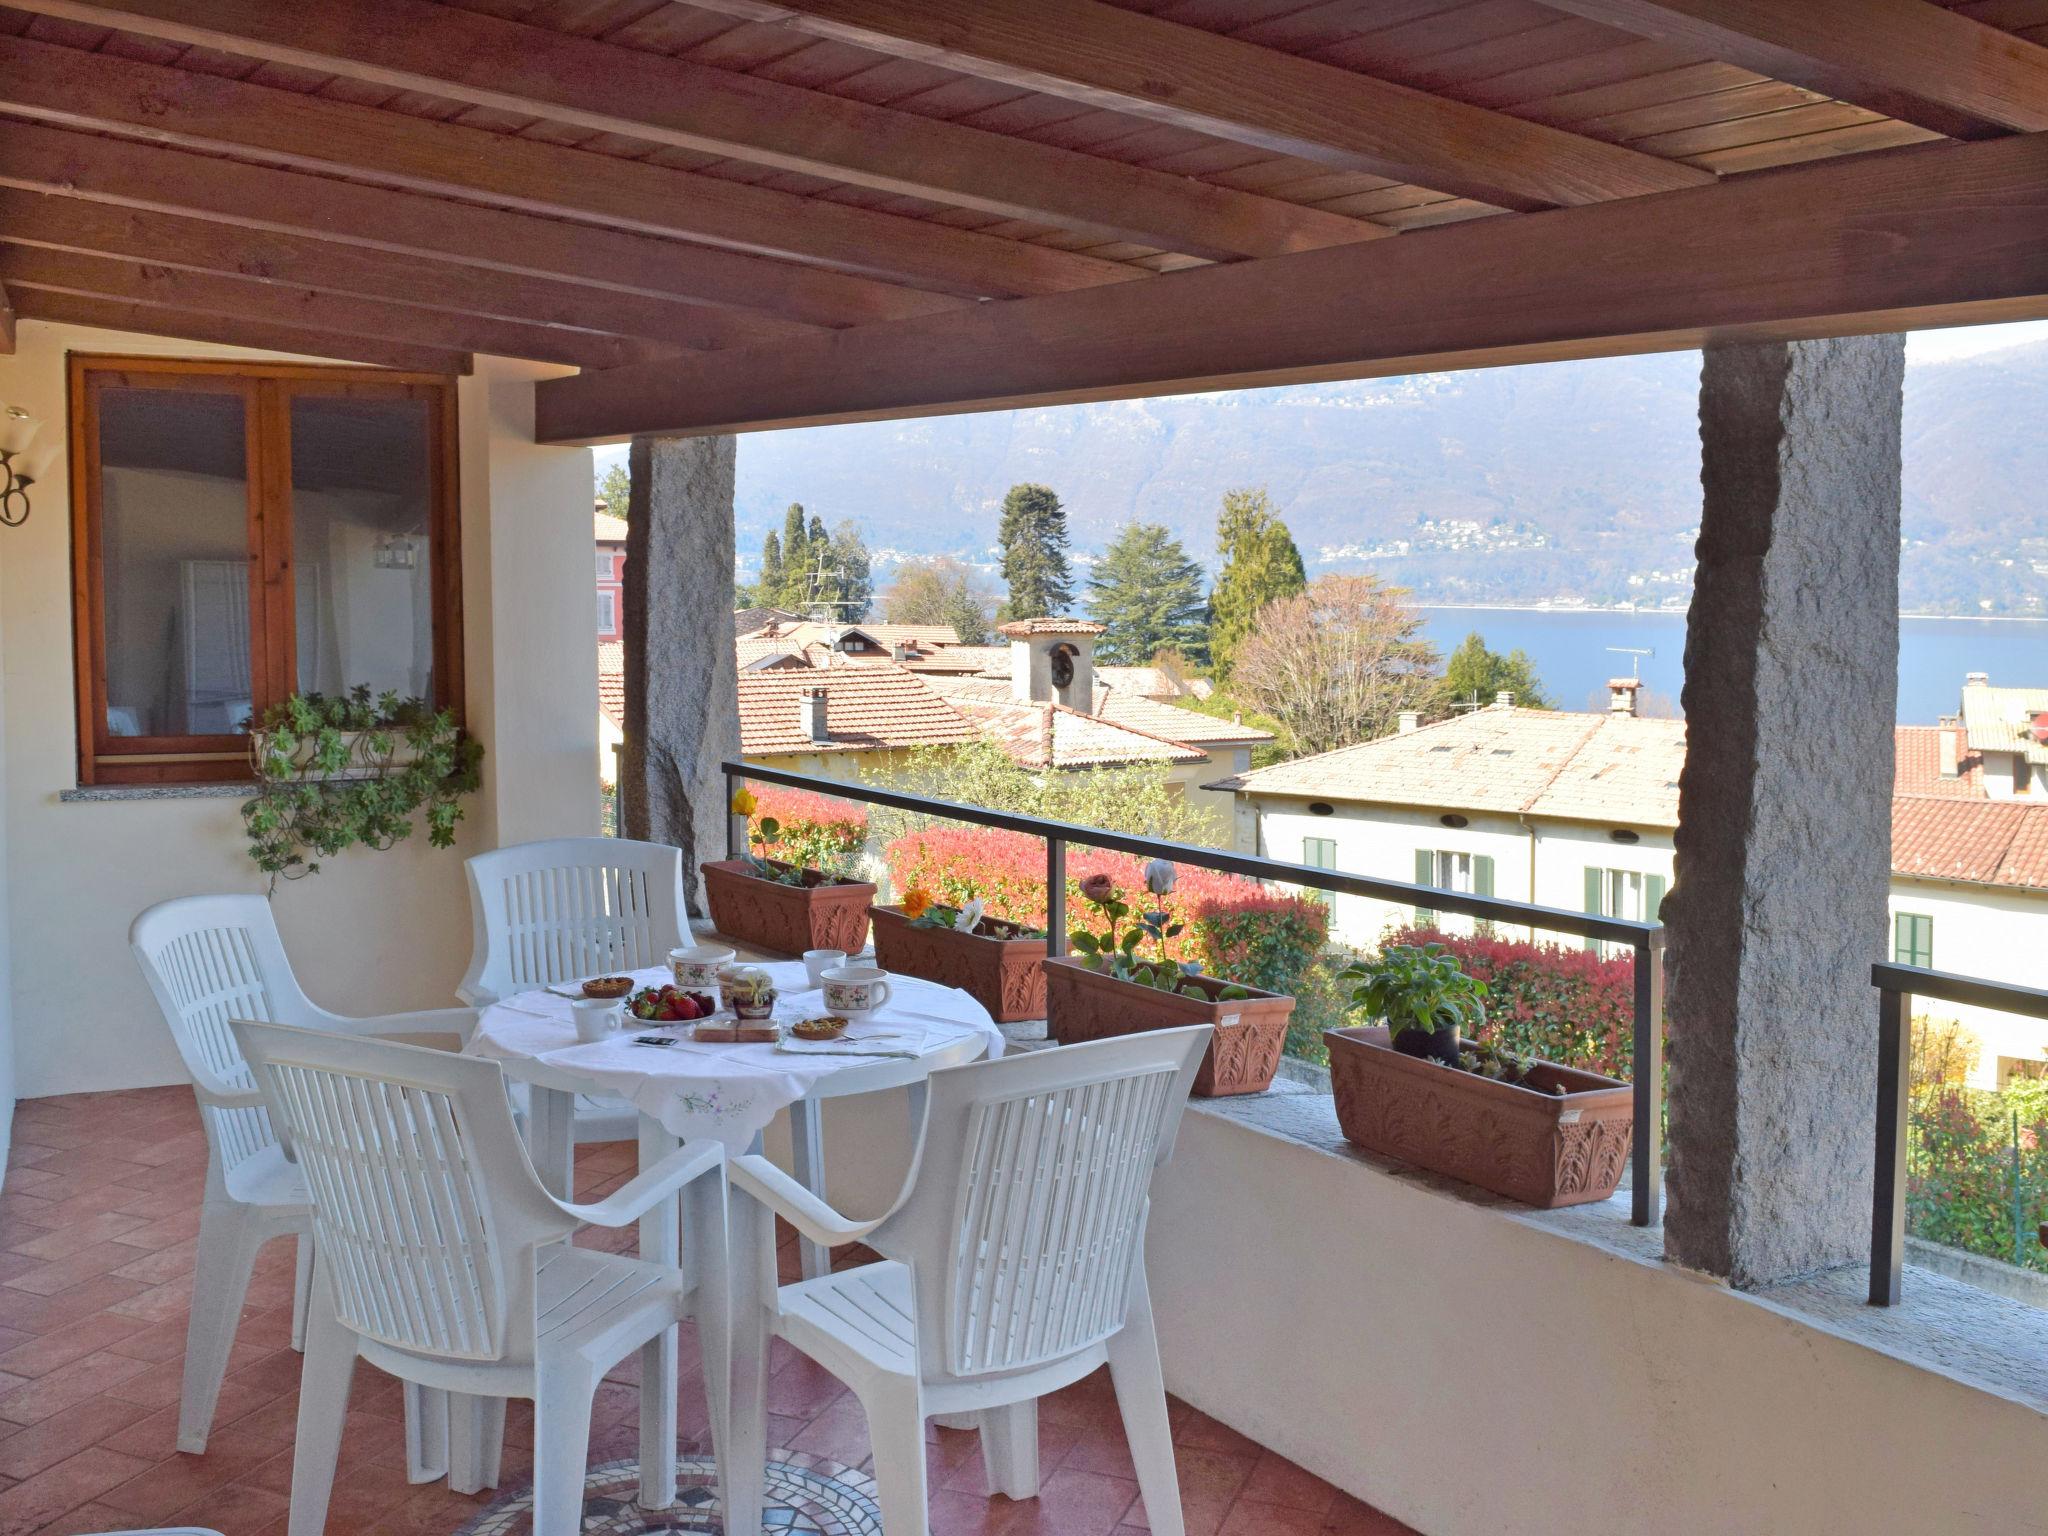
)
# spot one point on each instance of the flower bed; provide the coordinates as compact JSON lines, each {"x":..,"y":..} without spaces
{"x":1234,"y":927}
{"x":813,"y":830}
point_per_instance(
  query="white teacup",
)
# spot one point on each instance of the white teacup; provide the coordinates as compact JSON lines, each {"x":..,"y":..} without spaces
{"x":596,"y":1018}
{"x":696,"y":966}
{"x":854,"y":989}
{"x":818,"y":961}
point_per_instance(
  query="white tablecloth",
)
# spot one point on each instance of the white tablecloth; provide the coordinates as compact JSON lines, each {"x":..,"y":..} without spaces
{"x":727,"y":1091}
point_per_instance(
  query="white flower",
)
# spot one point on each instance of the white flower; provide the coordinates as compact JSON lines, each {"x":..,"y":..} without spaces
{"x":969,"y":917}
{"x":1160,"y":877}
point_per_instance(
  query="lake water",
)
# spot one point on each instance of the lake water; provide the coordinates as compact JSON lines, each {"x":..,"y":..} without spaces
{"x":1571,"y":650}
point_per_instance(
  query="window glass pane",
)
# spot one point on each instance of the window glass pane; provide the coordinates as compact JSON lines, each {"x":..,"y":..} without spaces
{"x":174,"y":546}
{"x":362,"y":503}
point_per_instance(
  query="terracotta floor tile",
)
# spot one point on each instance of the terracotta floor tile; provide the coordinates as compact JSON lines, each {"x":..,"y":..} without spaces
{"x":64,"y":1434}
{"x":1056,"y":1442}
{"x":46,"y":1352}
{"x":1276,"y":1480}
{"x":1354,"y":1517}
{"x":61,"y":1242}
{"x":45,"y":1314}
{"x":1248,"y":1517}
{"x":1074,"y":1503}
{"x":56,"y":1490}
{"x":85,"y":1377}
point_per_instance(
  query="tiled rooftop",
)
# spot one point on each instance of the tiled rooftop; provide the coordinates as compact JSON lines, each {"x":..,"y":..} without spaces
{"x":1122,"y":706}
{"x":98,"y":1225}
{"x":868,"y":708}
{"x":1020,"y":629}
{"x":2007,"y":720}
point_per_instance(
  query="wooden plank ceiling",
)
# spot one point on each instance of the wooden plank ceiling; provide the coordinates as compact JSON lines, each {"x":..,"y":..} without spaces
{"x":737,"y":213}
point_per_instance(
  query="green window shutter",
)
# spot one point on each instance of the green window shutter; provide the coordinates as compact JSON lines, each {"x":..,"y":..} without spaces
{"x":1913,"y":939}
{"x":1482,"y":882}
{"x":1596,"y":886}
{"x":1320,"y":853}
{"x":1425,"y":874}
{"x":1653,"y":897}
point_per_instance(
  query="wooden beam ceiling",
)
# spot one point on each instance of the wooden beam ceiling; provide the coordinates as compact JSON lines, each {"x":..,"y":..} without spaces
{"x":1940,"y":234}
{"x":1908,"y":59}
{"x":442,"y":51}
{"x":6,"y":322}
{"x":203,"y":111}
{"x":27,"y":267}
{"x":756,"y":299}
{"x":1126,"y":61}
{"x":189,"y":325}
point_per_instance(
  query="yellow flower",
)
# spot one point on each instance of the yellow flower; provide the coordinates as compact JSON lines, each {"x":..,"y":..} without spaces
{"x":916,"y":903}
{"x":743,"y":802}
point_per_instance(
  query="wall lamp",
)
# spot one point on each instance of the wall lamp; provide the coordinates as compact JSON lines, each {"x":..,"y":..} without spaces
{"x":17,"y":430}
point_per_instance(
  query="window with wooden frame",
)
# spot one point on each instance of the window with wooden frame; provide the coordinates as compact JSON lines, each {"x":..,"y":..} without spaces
{"x":245,"y":531}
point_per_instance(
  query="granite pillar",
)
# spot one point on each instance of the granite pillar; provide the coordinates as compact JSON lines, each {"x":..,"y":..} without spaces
{"x":682,"y":704}
{"x":1783,"y":843}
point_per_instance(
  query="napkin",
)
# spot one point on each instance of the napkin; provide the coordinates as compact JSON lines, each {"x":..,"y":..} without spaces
{"x":905,"y":1043}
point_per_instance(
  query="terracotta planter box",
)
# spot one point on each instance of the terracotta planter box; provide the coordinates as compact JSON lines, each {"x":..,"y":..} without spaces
{"x":1005,"y":975}
{"x":1083,"y":1004}
{"x":788,"y":919}
{"x":1543,"y":1149}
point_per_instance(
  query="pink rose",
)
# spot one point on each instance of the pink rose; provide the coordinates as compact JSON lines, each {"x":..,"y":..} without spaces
{"x":1098,"y":888}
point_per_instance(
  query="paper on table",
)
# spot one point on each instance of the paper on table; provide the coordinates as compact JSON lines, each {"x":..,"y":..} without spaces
{"x":894,"y":1042}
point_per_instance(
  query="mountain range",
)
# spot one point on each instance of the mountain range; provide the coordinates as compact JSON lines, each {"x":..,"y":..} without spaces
{"x":1563,"y":482}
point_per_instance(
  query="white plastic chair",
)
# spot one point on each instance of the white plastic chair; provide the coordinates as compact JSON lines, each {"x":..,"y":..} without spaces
{"x":1013,"y":1265}
{"x":567,"y":908}
{"x":441,"y":1259}
{"x":209,"y":959}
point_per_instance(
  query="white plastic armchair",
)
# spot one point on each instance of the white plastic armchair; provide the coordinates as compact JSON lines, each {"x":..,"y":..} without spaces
{"x":1013,"y":1264}
{"x":441,"y":1259}
{"x":209,"y":959}
{"x":568,"y":908}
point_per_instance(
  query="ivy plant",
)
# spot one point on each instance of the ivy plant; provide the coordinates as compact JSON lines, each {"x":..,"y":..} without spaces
{"x":353,"y":769}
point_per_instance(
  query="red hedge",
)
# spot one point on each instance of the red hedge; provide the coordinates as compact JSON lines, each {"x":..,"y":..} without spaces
{"x":1234,"y":927}
{"x":815,"y":830}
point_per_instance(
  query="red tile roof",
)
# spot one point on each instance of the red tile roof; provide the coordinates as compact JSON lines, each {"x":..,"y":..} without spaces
{"x":1946,"y":829}
{"x":867,"y":709}
{"x":611,"y":682}
{"x":1918,"y":765}
{"x":1020,"y":629}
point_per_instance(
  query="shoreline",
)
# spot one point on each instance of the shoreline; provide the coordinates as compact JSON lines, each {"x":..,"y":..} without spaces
{"x":1679,"y":613}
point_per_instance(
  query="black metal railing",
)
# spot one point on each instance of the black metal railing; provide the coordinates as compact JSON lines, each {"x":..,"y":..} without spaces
{"x":1897,"y":986}
{"x":1644,"y":940}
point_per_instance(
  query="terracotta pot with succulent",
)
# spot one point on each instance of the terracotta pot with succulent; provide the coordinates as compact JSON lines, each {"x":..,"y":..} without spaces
{"x":1109,"y":987}
{"x":782,"y":907}
{"x":1415,"y":1089}
{"x":999,"y":963}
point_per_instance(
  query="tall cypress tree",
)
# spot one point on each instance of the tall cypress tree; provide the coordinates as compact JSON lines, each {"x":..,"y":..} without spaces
{"x":793,"y":591}
{"x":1149,"y":594}
{"x":1260,"y":564}
{"x":768,"y":590}
{"x":1033,"y":539}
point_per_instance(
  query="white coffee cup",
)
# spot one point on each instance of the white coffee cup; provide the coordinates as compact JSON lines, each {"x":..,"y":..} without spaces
{"x":596,"y":1018}
{"x":818,"y":961}
{"x":853,"y":989}
{"x":696,"y":966}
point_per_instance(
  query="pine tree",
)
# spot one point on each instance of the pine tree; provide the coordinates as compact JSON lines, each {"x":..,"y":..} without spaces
{"x":768,"y":590}
{"x":615,"y":489}
{"x":1260,"y":565}
{"x":1474,"y":675}
{"x":1149,"y":594}
{"x":1033,"y":539}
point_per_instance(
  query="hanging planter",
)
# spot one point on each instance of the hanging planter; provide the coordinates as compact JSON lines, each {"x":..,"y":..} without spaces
{"x":337,"y":773}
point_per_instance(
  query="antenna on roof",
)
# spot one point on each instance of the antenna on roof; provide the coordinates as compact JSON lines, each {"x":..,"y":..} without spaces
{"x":1636,"y":666}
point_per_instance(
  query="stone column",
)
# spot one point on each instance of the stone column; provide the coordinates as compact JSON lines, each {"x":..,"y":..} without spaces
{"x":682,"y":704}
{"x":1784,"y":835}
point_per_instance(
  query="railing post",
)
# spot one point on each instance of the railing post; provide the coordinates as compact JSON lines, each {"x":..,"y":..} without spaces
{"x":1888,"y":1188}
{"x":1055,"y":896}
{"x":735,"y":824}
{"x":1646,"y":1172}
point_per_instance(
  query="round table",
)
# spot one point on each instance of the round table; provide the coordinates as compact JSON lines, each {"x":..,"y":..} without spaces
{"x":685,"y":1090}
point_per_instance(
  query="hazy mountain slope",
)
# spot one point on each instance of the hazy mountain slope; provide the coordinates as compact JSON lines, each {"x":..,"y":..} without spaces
{"x":1514,"y":484}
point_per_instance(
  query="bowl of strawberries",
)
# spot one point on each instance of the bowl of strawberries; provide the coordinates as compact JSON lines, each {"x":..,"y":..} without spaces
{"x":670,"y":1004}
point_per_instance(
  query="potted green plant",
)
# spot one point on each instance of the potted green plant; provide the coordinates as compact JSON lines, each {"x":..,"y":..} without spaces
{"x":997,"y":962}
{"x":1413,"y":1088}
{"x":782,"y":907}
{"x":1119,"y":981}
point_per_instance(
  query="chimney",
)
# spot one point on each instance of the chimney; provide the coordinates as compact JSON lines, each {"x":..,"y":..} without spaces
{"x":1621,"y":695}
{"x":1949,"y":743}
{"x":1977,"y":680}
{"x":810,"y":703}
{"x":1504,"y":700}
{"x":901,"y":651}
{"x":1411,"y":720}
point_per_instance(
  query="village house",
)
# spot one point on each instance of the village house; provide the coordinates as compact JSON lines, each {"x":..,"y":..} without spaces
{"x":1577,"y":810}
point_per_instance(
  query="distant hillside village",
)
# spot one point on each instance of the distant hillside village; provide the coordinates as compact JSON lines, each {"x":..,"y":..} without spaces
{"x":1436,"y":777}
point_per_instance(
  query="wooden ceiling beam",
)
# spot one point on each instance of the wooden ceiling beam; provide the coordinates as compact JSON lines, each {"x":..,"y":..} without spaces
{"x":30,"y":267}
{"x":448,"y":52}
{"x":201,"y":111}
{"x":6,"y":323}
{"x":1126,"y":61}
{"x":185,"y":325}
{"x":1908,"y":59}
{"x":293,"y":202}
{"x":55,"y":222}
{"x":1940,"y":234}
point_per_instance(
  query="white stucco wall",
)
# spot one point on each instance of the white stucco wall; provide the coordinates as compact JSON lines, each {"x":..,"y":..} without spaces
{"x":371,"y":932}
{"x":1998,"y":935}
